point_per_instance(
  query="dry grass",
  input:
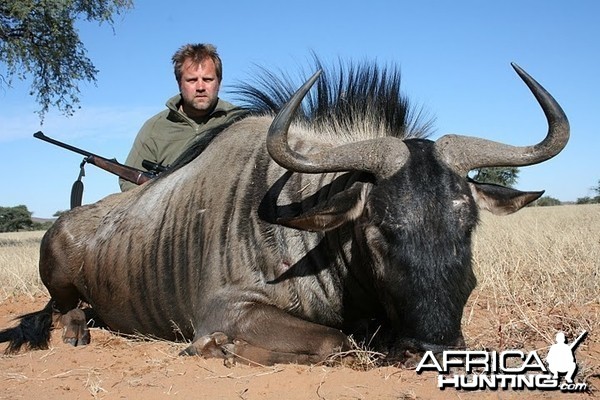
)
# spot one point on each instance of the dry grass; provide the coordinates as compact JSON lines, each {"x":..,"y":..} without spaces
{"x":538,"y":272}
{"x":19,"y":256}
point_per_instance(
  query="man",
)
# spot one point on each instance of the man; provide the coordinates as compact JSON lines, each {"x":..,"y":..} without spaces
{"x":560,"y":357}
{"x":190,"y":114}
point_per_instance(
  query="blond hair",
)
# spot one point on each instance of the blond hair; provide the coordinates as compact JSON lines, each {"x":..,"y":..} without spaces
{"x":196,"y":53}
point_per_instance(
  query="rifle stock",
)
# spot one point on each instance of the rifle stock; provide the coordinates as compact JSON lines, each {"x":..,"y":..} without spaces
{"x":126,"y":172}
{"x":122,"y":171}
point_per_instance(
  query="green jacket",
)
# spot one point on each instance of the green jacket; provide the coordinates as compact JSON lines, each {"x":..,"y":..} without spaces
{"x":165,"y":136}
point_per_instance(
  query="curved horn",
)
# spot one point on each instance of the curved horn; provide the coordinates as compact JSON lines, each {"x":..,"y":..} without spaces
{"x":381,"y":156}
{"x":463,"y":153}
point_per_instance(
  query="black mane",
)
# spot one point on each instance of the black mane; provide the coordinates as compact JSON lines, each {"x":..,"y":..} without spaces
{"x":349,"y":99}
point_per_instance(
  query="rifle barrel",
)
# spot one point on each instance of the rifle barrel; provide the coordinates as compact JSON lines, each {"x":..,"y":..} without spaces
{"x":579,"y":338}
{"x":40,"y":135}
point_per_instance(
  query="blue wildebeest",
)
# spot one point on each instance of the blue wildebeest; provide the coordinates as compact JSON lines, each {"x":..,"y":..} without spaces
{"x":288,"y":234}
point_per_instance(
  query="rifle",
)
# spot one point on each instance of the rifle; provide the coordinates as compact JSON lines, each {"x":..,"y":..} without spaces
{"x":578,"y":340}
{"x":113,"y":166}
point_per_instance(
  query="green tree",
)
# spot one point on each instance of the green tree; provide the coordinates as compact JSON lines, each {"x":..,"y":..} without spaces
{"x":591,"y":200}
{"x":597,"y":189}
{"x":584,"y":200}
{"x":547,"y":201}
{"x":59,"y":213}
{"x":41,"y":226}
{"x":505,"y":176}
{"x":38,"y":39}
{"x":14,"y":219}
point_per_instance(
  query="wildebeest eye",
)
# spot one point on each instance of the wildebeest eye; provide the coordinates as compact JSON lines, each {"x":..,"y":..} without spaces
{"x":456,"y":203}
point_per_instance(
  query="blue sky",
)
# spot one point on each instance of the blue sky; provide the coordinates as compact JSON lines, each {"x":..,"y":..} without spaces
{"x":454,"y":55}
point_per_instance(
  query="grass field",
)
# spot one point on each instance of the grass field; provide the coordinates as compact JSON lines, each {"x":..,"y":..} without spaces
{"x":538,"y":272}
{"x":19,"y":256}
{"x":540,"y":268}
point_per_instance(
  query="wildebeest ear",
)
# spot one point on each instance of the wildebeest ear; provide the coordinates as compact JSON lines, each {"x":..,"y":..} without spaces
{"x":343,"y":207}
{"x":501,"y":200}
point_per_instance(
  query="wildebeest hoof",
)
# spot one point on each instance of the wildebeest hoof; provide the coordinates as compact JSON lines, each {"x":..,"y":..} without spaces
{"x":82,"y":338}
{"x":82,"y":341}
{"x":208,"y":346}
{"x":230,"y":350}
{"x":411,"y":359}
{"x":75,"y":330}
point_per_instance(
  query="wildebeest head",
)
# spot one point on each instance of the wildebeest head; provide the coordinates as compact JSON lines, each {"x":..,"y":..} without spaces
{"x":414,"y":224}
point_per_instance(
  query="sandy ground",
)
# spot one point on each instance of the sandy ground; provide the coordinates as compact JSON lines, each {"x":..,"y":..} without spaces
{"x":113,"y":367}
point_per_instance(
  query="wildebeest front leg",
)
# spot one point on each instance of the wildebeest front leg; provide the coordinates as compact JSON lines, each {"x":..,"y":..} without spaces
{"x":267,"y":335}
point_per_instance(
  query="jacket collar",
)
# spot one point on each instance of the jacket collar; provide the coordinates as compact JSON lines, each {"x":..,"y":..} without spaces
{"x":173,"y":104}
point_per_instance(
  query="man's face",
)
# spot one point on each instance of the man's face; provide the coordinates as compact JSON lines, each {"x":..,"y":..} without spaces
{"x":199,"y":87}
